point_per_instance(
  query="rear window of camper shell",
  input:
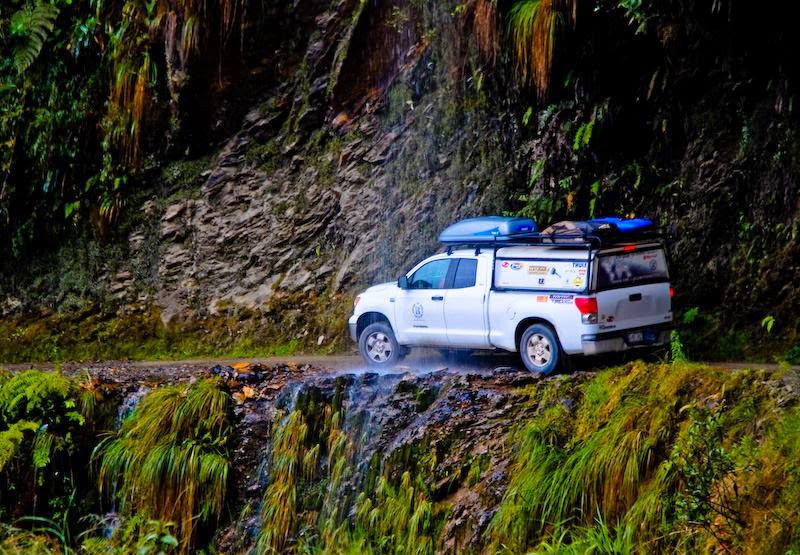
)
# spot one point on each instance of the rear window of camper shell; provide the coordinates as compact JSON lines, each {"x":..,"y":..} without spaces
{"x":634,"y":266}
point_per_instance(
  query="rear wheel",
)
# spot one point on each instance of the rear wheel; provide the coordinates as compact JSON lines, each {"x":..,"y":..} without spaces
{"x":378,"y":346}
{"x":539,"y":349}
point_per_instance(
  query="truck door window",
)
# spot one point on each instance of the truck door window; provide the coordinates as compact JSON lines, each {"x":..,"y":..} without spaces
{"x":465,"y":273}
{"x":432,"y":275}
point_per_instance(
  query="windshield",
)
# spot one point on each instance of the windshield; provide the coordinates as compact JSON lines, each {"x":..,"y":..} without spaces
{"x":621,"y":269}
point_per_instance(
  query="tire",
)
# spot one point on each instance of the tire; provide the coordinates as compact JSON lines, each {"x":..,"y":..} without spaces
{"x":378,"y":346}
{"x":539,"y":349}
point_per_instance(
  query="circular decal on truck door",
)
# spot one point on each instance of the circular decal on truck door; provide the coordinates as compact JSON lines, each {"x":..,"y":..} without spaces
{"x":417,"y":311}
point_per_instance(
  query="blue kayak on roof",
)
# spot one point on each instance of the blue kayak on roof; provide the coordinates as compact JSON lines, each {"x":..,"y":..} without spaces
{"x":487,"y":229}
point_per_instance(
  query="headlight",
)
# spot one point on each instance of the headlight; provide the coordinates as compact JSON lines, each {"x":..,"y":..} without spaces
{"x":355,"y":301}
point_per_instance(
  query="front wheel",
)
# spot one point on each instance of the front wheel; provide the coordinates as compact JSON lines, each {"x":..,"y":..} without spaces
{"x":378,"y":346}
{"x":539,"y":349}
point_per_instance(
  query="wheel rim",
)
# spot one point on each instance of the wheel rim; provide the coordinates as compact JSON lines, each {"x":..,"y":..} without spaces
{"x":539,"y":349}
{"x":379,"y":346}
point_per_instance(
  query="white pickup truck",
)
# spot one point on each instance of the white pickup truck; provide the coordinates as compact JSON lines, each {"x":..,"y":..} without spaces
{"x":601,"y":286}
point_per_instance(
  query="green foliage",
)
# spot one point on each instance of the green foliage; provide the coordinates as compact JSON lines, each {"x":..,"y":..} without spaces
{"x":635,"y":13}
{"x":313,"y":460}
{"x":527,"y":115}
{"x":668,"y":453}
{"x":31,"y":25}
{"x":599,"y":539}
{"x":767,"y":323}
{"x":44,"y":430}
{"x":20,"y":541}
{"x":137,"y":534}
{"x":708,"y":499}
{"x":534,"y":27}
{"x":595,"y":194}
{"x":170,"y":460}
{"x":676,"y":347}
{"x":85,"y":89}
{"x":399,"y":519}
{"x":583,"y":135}
{"x":38,"y":414}
{"x":792,"y":356}
{"x":48,"y":116}
{"x":691,"y":315}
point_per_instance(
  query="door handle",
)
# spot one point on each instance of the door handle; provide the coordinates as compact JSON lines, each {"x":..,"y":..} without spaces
{"x":635,"y":297}
{"x":437,"y":298}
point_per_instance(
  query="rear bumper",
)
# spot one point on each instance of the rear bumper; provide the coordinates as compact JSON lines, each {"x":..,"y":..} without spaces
{"x":620,"y":340}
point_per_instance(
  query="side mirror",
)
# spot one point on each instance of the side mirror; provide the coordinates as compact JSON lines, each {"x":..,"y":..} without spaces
{"x":402,"y":283}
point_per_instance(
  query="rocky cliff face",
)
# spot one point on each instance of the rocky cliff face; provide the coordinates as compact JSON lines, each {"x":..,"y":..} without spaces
{"x":334,"y":182}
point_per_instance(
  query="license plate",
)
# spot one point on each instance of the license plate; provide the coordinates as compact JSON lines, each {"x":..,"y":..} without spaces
{"x":645,"y":336}
{"x":635,"y":337}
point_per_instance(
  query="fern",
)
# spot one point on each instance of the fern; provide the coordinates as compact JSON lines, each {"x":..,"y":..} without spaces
{"x":12,"y":438}
{"x":32,"y":24}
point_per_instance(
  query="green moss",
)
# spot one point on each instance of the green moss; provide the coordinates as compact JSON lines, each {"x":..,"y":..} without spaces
{"x":140,"y":335}
{"x":478,"y":466}
{"x":183,"y":178}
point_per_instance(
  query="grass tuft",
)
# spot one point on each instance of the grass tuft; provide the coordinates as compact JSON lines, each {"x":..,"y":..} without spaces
{"x":170,"y":460}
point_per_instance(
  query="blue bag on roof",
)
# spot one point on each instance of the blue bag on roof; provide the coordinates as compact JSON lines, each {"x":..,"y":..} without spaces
{"x":487,"y":229}
{"x":630,"y":225}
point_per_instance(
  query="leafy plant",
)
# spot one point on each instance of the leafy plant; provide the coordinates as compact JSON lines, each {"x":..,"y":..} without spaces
{"x":31,"y":25}
{"x":38,"y":415}
{"x":676,"y":347}
{"x":136,"y":534}
{"x":767,"y":323}
{"x":635,"y":13}
{"x":792,"y":356}
{"x":709,"y":499}
{"x":583,"y":135}
{"x":691,"y":315}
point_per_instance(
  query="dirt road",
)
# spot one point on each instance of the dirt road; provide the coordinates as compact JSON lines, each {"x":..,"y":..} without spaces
{"x":419,"y":361}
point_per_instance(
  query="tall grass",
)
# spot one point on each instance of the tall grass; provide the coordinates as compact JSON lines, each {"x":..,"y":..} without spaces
{"x":311,"y":458}
{"x":170,"y":460}
{"x":639,"y":452}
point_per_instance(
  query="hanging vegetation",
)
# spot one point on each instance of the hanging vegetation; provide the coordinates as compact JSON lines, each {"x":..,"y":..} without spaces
{"x":170,"y":460}
{"x":534,"y":27}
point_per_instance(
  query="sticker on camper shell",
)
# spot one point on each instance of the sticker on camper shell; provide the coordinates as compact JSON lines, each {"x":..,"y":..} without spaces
{"x":562,"y":299}
{"x":569,"y":276}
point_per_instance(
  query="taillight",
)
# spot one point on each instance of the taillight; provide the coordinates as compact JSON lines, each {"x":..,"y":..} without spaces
{"x":671,"y":292}
{"x":587,"y":306}
{"x":629,"y":248}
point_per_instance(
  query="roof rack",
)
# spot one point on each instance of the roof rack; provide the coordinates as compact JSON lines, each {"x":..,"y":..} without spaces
{"x":497,"y":231}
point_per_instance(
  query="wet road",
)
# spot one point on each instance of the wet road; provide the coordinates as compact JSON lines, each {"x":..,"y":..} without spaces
{"x":419,"y":361}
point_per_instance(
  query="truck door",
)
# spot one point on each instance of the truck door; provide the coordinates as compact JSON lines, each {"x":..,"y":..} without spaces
{"x":419,"y":310}
{"x":464,"y":304}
